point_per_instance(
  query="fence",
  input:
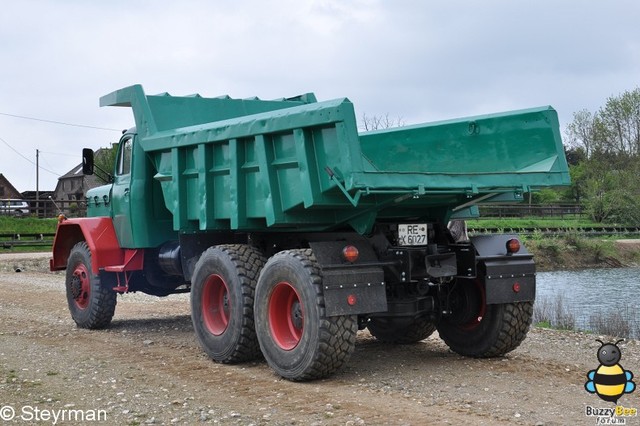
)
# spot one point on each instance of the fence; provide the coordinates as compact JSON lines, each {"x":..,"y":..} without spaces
{"x":518,"y":210}
{"x":11,"y":240}
{"x":47,"y":208}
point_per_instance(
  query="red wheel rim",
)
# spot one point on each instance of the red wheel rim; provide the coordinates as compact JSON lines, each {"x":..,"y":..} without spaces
{"x":81,"y":286}
{"x":215,"y":304}
{"x":286,"y":316}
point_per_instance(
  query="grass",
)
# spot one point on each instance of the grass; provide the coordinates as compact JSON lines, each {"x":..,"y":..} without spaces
{"x":620,"y":323}
{"x":532,"y":222}
{"x":31,"y":225}
{"x":575,"y":251}
{"x":552,"y":312}
{"x":27,"y":225}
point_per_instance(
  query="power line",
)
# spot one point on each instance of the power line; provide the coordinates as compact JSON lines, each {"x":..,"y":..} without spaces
{"x":27,"y":158}
{"x":60,"y":122}
{"x":59,"y":153}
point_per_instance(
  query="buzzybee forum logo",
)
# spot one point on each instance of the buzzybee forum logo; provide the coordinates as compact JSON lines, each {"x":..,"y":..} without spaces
{"x":609,"y":381}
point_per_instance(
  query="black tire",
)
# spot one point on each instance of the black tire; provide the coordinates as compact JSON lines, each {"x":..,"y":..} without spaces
{"x":91,"y":304}
{"x":390,"y":330}
{"x":222,"y":291}
{"x":297,"y":338}
{"x":479,"y":330}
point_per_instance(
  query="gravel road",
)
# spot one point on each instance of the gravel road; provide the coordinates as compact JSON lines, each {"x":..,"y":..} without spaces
{"x":148,"y":369}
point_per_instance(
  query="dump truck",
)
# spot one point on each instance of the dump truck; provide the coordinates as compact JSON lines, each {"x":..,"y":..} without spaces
{"x":293,"y":231}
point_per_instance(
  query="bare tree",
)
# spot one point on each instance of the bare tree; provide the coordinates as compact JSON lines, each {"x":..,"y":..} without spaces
{"x":379,"y":122}
{"x":620,"y":119}
{"x":613,"y":130}
{"x":581,"y":133}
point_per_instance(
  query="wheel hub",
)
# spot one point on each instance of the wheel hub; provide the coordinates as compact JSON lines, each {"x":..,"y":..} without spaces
{"x":286,"y":316}
{"x":215,"y":304}
{"x":80,"y":286}
{"x":76,"y":287}
{"x":296,"y":314}
{"x":466,"y":306}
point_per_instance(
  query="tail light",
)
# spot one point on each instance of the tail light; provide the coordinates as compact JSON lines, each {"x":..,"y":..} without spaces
{"x":513,"y":246}
{"x":350,"y":253}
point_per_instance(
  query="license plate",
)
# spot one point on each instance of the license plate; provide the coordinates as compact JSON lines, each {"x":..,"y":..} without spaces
{"x":412,"y":234}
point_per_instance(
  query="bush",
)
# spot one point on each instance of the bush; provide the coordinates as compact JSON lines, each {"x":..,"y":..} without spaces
{"x":554,"y":313}
{"x":622,"y":323}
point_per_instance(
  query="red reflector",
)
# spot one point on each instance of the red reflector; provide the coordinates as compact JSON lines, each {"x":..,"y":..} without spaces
{"x":513,"y":246}
{"x":516,"y":288}
{"x":350,"y":253}
{"x":351,"y":300}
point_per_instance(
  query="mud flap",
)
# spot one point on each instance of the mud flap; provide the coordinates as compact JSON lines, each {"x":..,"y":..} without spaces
{"x":510,"y":280}
{"x":350,"y":289}
{"x":353,"y":292}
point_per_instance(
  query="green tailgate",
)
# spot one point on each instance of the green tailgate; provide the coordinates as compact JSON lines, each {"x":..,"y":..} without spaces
{"x":297,"y":164}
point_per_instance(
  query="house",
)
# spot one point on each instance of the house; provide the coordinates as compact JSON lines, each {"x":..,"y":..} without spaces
{"x":73,"y":185}
{"x":7,"y":190}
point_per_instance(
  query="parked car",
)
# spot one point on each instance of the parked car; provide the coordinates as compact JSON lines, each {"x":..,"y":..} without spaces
{"x":14,"y":207}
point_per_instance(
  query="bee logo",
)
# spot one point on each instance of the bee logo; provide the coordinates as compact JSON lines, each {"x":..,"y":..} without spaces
{"x":609,"y":381}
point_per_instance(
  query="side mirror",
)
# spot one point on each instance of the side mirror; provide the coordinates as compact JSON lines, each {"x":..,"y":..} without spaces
{"x":87,"y":161}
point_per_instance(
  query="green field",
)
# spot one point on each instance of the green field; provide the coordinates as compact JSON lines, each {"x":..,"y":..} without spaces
{"x":27,"y":225}
{"x":533,"y":222}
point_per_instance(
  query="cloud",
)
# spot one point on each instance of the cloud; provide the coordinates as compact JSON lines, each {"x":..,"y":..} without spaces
{"x":421,"y":61}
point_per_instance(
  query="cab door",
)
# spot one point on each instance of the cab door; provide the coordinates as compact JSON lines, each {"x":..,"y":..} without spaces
{"x":121,"y":193}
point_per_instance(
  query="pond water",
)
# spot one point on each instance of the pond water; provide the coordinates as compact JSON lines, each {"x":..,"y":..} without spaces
{"x":589,"y":292}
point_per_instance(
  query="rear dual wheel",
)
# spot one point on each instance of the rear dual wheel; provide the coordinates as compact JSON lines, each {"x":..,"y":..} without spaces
{"x":222,"y":293}
{"x":478,"y":329}
{"x":297,"y":338}
{"x":392,"y":330}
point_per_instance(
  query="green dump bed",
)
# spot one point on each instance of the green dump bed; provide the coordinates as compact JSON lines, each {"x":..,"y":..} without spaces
{"x":297,"y":164}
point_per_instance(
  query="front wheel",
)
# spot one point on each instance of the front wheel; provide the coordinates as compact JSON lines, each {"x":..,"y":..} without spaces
{"x":297,"y":338}
{"x":480,"y":330}
{"x":91,"y":304}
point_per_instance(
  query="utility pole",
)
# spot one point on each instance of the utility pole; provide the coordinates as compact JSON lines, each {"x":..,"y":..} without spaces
{"x":37,"y":183}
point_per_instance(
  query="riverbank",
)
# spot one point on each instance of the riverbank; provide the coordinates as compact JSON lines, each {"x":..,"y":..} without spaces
{"x":575,"y":252}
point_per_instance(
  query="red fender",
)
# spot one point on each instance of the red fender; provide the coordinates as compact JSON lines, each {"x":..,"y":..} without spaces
{"x":100,"y":236}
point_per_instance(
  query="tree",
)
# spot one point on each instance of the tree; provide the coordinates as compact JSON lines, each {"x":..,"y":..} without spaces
{"x":613,"y":130}
{"x":581,"y":133}
{"x":605,"y":178}
{"x":379,"y":122}
{"x":620,"y":123}
{"x":105,"y":160}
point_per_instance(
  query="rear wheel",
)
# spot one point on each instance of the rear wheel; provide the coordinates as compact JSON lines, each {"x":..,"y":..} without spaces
{"x":222,"y":291}
{"x":392,"y":330}
{"x":91,"y":304}
{"x":297,"y":339}
{"x":480,"y":330}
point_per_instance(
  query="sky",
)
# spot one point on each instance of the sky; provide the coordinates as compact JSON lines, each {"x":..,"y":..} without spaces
{"x":417,"y":61}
